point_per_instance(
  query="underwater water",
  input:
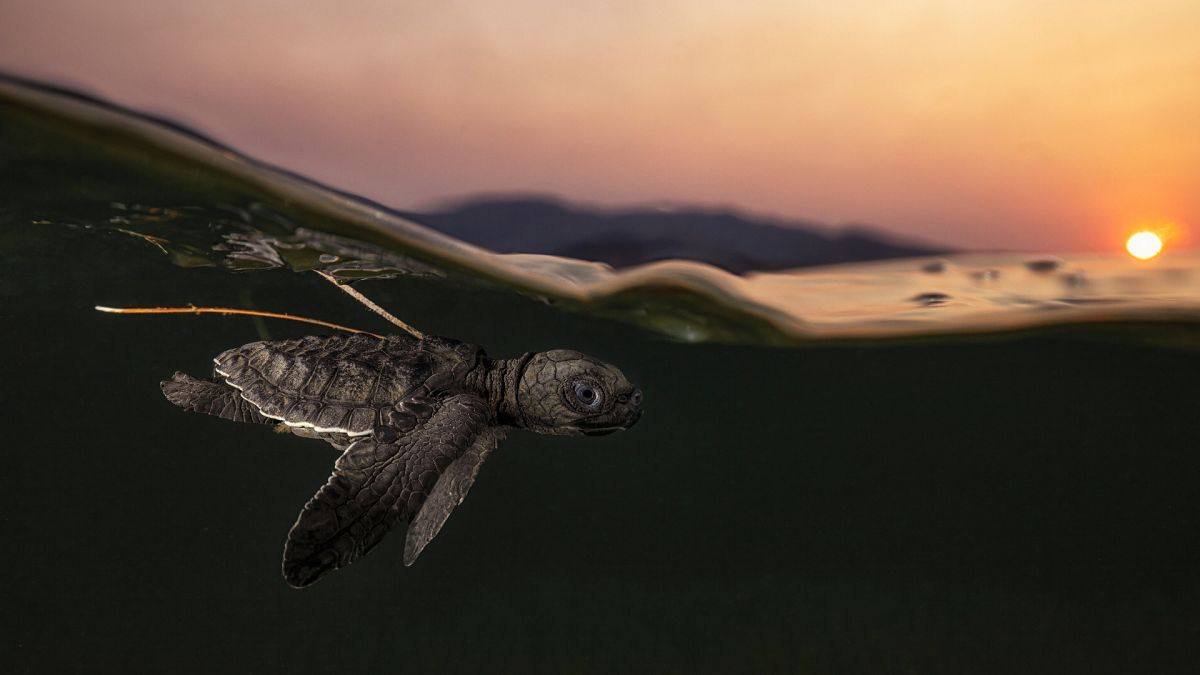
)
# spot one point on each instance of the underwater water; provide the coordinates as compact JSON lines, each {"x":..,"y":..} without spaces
{"x":985,"y":465}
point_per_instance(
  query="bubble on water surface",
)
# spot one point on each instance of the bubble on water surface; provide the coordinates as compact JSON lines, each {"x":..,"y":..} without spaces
{"x":1044,"y":265}
{"x":930,"y":299}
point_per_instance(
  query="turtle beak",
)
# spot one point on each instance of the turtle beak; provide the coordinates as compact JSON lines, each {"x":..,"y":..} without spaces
{"x":633,"y":407}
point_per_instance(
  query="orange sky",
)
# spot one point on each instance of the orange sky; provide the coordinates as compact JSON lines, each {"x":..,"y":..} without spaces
{"x":1035,"y":125}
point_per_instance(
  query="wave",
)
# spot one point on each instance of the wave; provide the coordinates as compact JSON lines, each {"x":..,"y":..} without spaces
{"x":86,"y":162}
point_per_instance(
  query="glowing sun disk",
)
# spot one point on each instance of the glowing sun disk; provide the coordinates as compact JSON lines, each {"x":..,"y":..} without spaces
{"x":1144,"y":245}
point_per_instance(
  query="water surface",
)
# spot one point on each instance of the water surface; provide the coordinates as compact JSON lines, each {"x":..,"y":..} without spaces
{"x":976,"y":466}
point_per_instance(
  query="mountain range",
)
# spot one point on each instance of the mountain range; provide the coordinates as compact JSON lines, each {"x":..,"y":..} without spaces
{"x":625,"y":237}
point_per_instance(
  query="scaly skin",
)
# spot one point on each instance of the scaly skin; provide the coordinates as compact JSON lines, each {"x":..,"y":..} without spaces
{"x":416,"y":419}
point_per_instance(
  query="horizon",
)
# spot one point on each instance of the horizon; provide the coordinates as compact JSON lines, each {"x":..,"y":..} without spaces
{"x":1002,"y":125}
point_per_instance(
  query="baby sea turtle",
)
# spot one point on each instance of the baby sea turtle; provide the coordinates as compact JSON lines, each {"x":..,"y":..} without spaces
{"x":413,"y":418}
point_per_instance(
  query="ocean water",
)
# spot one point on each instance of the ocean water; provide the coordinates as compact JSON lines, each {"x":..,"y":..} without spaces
{"x":980,"y":464}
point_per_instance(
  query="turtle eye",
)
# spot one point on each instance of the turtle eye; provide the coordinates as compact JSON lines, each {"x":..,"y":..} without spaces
{"x":588,"y":394}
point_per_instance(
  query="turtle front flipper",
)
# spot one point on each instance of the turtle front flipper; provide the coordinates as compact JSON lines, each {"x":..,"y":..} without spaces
{"x":210,"y":398}
{"x":381,"y":481}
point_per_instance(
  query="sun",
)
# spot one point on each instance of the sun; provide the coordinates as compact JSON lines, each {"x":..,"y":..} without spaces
{"x":1144,"y":245}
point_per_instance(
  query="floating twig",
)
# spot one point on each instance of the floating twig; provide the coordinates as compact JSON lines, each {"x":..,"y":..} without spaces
{"x":369,"y":304}
{"x":228,"y":311}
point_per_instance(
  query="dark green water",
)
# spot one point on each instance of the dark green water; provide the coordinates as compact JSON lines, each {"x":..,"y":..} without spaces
{"x":1009,"y":506}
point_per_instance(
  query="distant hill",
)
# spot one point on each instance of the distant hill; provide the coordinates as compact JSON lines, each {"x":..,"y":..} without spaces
{"x":626,"y":237}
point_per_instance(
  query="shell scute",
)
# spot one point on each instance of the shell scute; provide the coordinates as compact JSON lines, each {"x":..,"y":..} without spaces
{"x":257,"y":355}
{"x":277,"y":405}
{"x":335,"y":384}
{"x":331,"y":417}
{"x":389,"y":390}
{"x":259,"y":392}
{"x":362,"y":420}
{"x":353,"y":382}
{"x":322,"y":373}
{"x":296,"y":376}
{"x":301,"y":411}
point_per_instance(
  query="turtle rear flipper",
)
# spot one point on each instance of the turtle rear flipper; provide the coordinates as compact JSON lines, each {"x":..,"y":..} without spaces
{"x":210,"y":398}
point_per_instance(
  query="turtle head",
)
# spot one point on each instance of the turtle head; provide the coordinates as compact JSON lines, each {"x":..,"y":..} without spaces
{"x":567,"y":393}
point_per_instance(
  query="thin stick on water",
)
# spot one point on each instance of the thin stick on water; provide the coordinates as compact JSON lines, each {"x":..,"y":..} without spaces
{"x":369,"y":304}
{"x":227,"y":311}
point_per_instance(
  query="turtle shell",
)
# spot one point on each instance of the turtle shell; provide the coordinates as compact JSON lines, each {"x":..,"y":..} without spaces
{"x":330,"y":384}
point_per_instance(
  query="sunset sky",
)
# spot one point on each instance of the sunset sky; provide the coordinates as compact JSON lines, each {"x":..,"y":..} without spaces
{"x":1032,"y":125}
